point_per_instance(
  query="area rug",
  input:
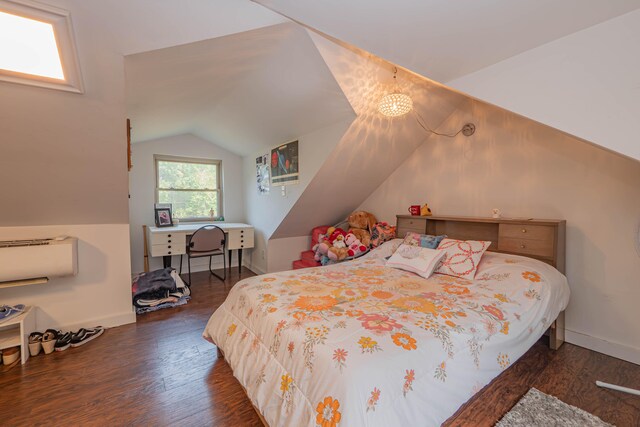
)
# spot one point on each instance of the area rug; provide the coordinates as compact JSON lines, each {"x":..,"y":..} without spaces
{"x":539,"y":409}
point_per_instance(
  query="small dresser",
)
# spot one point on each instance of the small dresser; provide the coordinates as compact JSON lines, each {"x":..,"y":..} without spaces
{"x":543,"y":239}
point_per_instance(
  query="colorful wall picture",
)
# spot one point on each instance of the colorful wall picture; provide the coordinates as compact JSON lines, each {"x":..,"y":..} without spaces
{"x":284,"y":164}
{"x":263,"y":173}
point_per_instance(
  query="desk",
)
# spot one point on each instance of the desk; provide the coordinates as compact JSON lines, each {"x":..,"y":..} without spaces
{"x":169,"y":241}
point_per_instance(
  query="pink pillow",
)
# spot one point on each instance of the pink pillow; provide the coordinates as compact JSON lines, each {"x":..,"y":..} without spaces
{"x":461,"y":257}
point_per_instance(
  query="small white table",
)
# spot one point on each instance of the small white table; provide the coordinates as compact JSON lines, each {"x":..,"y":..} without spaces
{"x":169,"y":241}
{"x":15,"y":332}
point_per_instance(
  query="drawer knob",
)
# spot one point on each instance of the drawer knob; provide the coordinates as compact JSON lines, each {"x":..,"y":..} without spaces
{"x":242,"y":246}
{"x":241,"y":241}
{"x":169,"y":252}
{"x":522,"y":246}
{"x":524,"y":230}
{"x":168,"y":235}
{"x":169,"y":241}
{"x":169,"y":246}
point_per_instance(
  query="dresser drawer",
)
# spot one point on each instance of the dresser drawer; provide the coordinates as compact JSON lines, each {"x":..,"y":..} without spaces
{"x":527,"y":232}
{"x":540,"y":248}
{"x":240,"y":238}
{"x":168,"y":238}
{"x":168,"y":249}
{"x":415,"y":224}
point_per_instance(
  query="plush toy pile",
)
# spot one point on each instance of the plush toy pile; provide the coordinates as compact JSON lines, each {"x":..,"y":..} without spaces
{"x":337,"y":244}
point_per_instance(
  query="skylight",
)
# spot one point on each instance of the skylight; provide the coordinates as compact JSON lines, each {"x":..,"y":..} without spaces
{"x":37,"y":47}
{"x":29,"y":46}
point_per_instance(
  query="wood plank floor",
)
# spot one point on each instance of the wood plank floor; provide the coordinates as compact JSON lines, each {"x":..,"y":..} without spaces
{"x":160,"y":372}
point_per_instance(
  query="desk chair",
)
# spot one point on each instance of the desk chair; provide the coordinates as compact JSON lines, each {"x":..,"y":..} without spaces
{"x":207,"y":241}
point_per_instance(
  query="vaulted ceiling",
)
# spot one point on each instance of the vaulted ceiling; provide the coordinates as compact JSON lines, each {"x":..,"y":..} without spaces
{"x":443,"y":40}
{"x":244,"y":92}
{"x":142,"y":25}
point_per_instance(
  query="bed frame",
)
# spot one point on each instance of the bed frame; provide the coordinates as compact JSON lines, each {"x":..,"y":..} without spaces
{"x":542,"y":239}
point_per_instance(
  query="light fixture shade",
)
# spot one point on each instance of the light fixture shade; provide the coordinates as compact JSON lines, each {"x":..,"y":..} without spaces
{"x":395,"y":104}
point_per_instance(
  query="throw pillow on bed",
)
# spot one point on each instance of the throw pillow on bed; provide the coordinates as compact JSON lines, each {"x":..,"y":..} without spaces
{"x":416,"y":259}
{"x":385,"y":250}
{"x":461,"y":257}
{"x":424,"y":240}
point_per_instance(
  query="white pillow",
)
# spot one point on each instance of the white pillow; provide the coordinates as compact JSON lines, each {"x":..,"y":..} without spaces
{"x":416,"y":259}
{"x":462,"y":257}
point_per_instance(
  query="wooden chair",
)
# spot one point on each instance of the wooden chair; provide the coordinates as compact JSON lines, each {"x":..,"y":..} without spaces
{"x":207,"y":241}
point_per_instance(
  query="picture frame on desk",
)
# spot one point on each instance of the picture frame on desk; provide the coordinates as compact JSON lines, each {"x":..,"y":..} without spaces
{"x":163,"y":217}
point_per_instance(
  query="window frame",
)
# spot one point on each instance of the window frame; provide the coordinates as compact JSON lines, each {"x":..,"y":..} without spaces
{"x":203,"y":161}
{"x":63,"y":30}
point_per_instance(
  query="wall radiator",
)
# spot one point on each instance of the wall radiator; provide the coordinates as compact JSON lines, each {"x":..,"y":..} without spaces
{"x":27,"y":262}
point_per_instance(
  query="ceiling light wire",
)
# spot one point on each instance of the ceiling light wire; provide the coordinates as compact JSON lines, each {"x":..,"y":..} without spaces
{"x":467,"y":130}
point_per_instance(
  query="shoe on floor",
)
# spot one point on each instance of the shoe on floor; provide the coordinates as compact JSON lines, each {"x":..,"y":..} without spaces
{"x":9,"y":312}
{"x":49,"y":339}
{"x":10,"y":355}
{"x":35,"y":343}
{"x":63,"y":342}
{"x":83,"y":336}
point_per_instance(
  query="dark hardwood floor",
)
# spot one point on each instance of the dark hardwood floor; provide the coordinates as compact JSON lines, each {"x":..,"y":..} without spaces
{"x":160,"y":371}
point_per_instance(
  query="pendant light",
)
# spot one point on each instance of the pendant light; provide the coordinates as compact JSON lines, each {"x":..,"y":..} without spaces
{"x":395,"y":104}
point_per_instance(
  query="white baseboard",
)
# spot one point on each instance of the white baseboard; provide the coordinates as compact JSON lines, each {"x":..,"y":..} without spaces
{"x":203,"y":265}
{"x":108,"y":322}
{"x":255,"y":269}
{"x":619,"y":351}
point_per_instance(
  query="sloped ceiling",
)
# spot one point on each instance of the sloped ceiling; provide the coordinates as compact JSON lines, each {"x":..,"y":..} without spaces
{"x":373,"y":146}
{"x":443,"y":40}
{"x":243,"y":92}
{"x":142,"y":25}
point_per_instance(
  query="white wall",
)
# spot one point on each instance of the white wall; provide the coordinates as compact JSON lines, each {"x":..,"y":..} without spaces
{"x":63,"y":165}
{"x":530,"y":170}
{"x":64,"y":154}
{"x":265,"y":212}
{"x":142,"y":184}
{"x":586,"y":84}
{"x":282,"y":252}
{"x":101,"y":292}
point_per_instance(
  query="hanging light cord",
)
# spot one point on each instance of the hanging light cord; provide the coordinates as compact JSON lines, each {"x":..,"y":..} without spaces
{"x":423,"y":124}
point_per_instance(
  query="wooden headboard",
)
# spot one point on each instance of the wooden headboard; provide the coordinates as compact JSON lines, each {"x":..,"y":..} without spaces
{"x":543,"y":239}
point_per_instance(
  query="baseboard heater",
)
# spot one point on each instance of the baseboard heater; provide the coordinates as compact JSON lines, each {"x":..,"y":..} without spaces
{"x":36,"y":261}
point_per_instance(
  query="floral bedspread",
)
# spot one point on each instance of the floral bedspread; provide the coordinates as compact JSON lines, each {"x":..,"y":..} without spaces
{"x":360,"y":344}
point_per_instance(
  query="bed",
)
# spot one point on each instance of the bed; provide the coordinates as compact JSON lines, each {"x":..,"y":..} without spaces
{"x":360,"y":343}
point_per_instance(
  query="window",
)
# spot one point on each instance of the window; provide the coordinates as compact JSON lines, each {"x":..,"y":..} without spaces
{"x":37,"y":46}
{"x":192,"y":186}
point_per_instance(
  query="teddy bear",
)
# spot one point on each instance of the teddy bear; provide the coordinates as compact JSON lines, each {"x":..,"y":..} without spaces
{"x":425,"y":210}
{"x":335,"y":237}
{"x":337,"y":254}
{"x":361,"y":223}
{"x":355,"y":247}
{"x":337,"y":248}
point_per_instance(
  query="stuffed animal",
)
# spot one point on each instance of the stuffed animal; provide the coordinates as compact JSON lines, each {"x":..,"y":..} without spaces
{"x":361,"y":223}
{"x":363,"y":235}
{"x":381,"y":233}
{"x":337,"y":254}
{"x":317,"y":248}
{"x":335,"y":237}
{"x":425,"y":210}
{"x":355,"y":247}
{"x":338,"y":240}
